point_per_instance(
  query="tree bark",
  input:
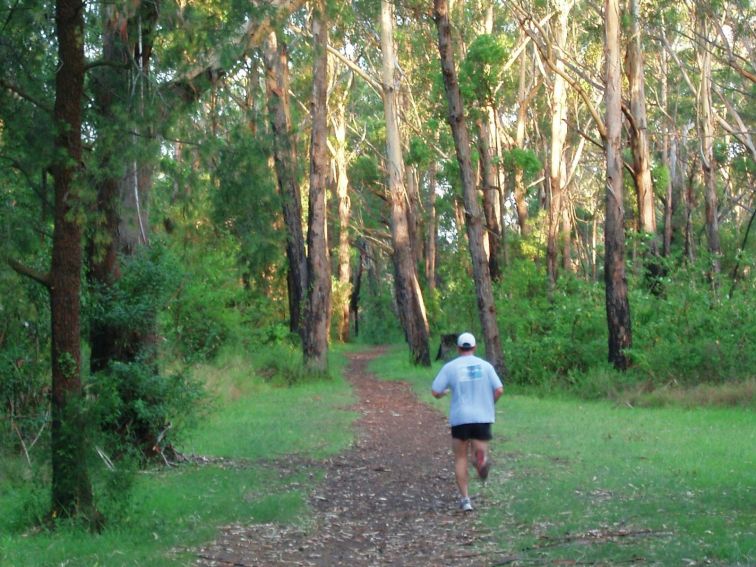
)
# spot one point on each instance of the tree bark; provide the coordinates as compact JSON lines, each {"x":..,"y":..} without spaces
{"x":639,"y":145}
{"x":315,"y":345}
{"x":706,"y":133}
{"x":617,"y":305}
{"x":432,"y":234}
{"x":557,"y":165}
{"x":342,"y":193}
{"x":71,"y":488}
{"x":409,"y":296}
{"x":491,"y":201}
{"x":474,"y":216}
{"x":523,"y":100}
{"x":669,"y":200}
{"x":285,"y":159}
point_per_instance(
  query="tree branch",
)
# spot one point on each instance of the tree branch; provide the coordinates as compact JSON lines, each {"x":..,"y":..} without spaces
{"x":24,"y":270}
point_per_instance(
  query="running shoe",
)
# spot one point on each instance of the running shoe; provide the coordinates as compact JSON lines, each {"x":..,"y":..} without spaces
{"x":465,"y":504}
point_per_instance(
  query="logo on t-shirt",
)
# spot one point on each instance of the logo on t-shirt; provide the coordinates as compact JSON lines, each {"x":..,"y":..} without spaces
{"x":470,"y":373}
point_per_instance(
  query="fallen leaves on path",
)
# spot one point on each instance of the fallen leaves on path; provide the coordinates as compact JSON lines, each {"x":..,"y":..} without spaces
{"x":389,"y":500}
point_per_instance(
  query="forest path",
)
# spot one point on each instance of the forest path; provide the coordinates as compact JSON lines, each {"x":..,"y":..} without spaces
{"x":388,"y":500}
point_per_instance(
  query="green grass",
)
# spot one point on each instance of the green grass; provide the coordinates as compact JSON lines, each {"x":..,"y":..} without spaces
{"x":248,"y":420}
{"x":604,"y":483}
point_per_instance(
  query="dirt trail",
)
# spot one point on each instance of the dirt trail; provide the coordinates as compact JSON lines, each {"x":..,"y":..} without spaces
{"x":389,"y":500}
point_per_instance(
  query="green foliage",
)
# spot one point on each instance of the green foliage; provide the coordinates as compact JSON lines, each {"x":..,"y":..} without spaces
{"x":196,"y":322}
{"x":281,"y":364}
{"x":523,"y":159}
{"x":148,"y":279}
{"x":246,"y":202}
{"x":420,"y":153}
{"x":481,"y":70}
{"x":691,"y":335}
{"x":174,"y":508}
{"x":378,"y":322}
{"x":138,"y":408}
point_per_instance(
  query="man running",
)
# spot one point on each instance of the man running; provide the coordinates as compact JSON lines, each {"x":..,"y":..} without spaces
{"x":475,"y":387}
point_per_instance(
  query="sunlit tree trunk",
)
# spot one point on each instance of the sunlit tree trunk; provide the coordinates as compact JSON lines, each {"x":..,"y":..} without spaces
{"x":706,"y":134}
{"x":617,"y":304}
{"x":315,"y":345}
{"x":557,"y":165}
{"x":639,"y":143}
{"x":342,"y":193}
{"x":285,"y":158}
{"x":71,"y":488}
{"x":473,"y":213}
{"x":409,"y":296}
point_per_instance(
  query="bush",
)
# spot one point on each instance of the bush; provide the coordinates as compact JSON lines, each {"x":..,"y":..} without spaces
{"x":690,"y":334}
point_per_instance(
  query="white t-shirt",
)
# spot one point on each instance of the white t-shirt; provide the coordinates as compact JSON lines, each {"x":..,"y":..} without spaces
{"x":472,"y":382}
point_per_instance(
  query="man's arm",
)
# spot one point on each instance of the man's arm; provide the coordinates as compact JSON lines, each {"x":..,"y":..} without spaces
{"x":439,"y":394}
{"x":497,"y":393}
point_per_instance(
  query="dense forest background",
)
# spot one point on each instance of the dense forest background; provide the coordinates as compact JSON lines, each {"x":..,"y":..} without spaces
{"x":572,"y":182}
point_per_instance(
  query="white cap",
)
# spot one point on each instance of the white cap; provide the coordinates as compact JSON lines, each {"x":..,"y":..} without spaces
{"x":466,"y":340}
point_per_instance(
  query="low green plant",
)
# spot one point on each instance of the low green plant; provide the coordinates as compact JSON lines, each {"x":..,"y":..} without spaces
{"x":247,"y":420}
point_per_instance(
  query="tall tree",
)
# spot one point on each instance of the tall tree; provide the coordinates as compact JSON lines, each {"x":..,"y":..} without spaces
{"x":315,"y":344}
{"x":409,"y":296}
{"x":71,"y":488}
{"x":634,"y":69}
{"x":557,"y":162}
{"x":285,"y":158}
{"x":473,"y":213}
{"x":617,"y":304}
{"x":340,"y":159}
{"x":706,"y":135}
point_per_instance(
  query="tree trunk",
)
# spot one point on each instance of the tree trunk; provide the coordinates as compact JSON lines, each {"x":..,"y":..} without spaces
{"x":354,"y":298}
{"x":430,"y":248}
{"x":617,"y":305}
{"x":639,"y":145}
{"x":523,"y":100}
{"x":474,"y":217}
{"x":71,"y":488}
{"x":566,"y":239}
{"x":706,"y":133}
{"x":666,"y":157}
{"x":557,"y":165}
{"x":409,"y":296}
{"x":342,"y":193}
{"x":318,"y":267}
{"x":491,"y":201}
{"x":285,"y":158}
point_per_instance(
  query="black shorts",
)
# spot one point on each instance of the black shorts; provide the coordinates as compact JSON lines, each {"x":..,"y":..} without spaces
{"x":466,"y":431}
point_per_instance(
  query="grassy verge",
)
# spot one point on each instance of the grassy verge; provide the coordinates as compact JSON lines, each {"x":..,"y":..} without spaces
{"x":599,"y":482}
{"x":248,"y":420}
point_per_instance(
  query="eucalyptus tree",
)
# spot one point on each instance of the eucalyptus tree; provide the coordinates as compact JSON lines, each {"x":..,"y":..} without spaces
{"x":409,"y":295}
{"x":617,"y":304}
{"x":318,"y":302}
{"x":557,"y":160}
{"x":638,"y":136}
{"x":473,"y":214}
{"x":285,"y":155}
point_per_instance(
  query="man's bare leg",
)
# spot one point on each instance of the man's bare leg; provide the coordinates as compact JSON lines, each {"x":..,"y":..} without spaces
{"x":460,"y":465}
{"x":480,"y":456}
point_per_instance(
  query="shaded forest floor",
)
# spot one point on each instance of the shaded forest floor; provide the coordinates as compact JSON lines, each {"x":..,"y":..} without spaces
{"x":389,"y":500}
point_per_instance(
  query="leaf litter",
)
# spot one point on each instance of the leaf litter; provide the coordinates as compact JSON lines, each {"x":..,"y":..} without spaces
{"x":389,"y":500}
